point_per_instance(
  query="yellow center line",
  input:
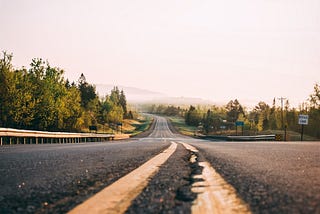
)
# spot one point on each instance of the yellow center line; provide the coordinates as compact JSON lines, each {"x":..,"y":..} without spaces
{"x":215,"y":195}
{"x":117,"y":197}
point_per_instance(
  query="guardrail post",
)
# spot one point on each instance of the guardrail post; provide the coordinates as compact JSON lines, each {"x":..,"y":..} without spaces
{"x":1,"y":140}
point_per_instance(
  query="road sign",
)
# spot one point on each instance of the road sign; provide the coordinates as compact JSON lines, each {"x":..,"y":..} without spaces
{"x":303,"y":119}
{"x":239,"y":123}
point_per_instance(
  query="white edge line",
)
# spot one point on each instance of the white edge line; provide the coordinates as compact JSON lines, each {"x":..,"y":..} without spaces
{"x":215,"y":195}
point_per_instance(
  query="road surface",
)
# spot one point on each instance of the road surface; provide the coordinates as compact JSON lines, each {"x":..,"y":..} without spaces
{"x":266,"y":177}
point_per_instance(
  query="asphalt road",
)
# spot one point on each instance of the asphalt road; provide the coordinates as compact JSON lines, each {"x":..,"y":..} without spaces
{"x":271,"y":177}
{"x":56,"y":177}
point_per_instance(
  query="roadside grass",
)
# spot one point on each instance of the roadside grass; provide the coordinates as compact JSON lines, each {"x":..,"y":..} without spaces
{"x":291,"y":135}
{"x":130,"y":127}
{"x":134,"y":127}
{"x":181,"y":126}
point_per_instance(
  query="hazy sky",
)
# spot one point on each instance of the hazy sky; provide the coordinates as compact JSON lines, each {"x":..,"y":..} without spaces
{"x":219,"y":50}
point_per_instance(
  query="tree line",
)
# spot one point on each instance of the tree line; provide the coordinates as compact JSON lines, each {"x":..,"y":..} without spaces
{"x":263,"y":117}
{"x":40,"y":98}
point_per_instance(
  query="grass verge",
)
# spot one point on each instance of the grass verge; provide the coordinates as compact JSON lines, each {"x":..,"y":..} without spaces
{"x":180,"y":125}
{"x":135,"y":127}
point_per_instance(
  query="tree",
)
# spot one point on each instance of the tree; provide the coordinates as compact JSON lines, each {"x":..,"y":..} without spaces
{"x":69,"y":114}
{"x":6,"y":80}
{"x":113,"y":107}
{"x":115,"y":95}
{"x":40,"y":98}
{"x":123,"y":103}
{"x":87,"y":91}
{"x":48,"y":90}
{"x":314,"y":99}
{"x":262,"y":111}
{"x":22,"y":110}
{"x":234,"y":108}
{"x":272,"y":116}
{"x":314,"y":112}
{"x":193,"y":116}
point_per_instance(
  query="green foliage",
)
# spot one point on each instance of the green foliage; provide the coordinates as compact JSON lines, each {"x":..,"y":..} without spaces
{"x":40,"y":98}
{"x":314,"y":98}
{"x":194,"y":116}
{"x":123,"y":103}
{"x":313,"y":110}
{"x":6,"y":89}
{"x":262,"y":118}
{"x":87,"y":91}
{"x":233,"y":110}
{"x":211,"y":122}
{"x":166,"y":110}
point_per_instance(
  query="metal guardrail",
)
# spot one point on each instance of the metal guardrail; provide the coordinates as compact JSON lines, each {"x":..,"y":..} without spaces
{"x":17,"y":136}
{"x":252,"y":138}
{"x":243,"y":138}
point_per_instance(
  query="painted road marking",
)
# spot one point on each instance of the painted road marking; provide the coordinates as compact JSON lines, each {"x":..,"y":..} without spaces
{"x":215,"y":195}
{"x":117,"y":197}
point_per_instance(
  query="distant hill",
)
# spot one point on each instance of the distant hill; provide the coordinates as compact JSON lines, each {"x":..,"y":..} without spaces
{"x":138,"y":95}
{"x":133,"y":94}
{"x":180,"y":101}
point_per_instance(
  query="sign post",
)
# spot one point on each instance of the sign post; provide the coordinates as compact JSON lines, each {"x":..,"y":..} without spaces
{"x":303,"y":120}
{"x":239,"y":123}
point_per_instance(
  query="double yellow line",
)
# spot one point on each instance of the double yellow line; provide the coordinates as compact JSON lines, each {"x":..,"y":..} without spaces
{"x":215,"y":195}
{"x":117,"y":197}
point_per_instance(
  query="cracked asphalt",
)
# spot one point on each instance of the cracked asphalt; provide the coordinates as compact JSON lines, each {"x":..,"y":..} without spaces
{"x":271,"y":177}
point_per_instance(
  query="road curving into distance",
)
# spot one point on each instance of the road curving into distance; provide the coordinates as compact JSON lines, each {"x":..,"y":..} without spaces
{"x":189,"y":176}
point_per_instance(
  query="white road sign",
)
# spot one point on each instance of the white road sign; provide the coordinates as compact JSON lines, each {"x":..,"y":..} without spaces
{"x":303,"y":119}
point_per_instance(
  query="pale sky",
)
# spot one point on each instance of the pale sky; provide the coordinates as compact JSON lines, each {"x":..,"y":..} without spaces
{"x":218,"y":50}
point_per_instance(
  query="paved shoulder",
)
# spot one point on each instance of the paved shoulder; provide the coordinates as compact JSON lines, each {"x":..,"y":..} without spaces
{"x":271,"y":177}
